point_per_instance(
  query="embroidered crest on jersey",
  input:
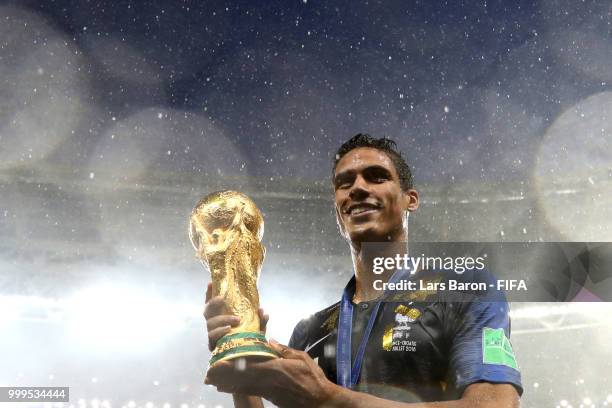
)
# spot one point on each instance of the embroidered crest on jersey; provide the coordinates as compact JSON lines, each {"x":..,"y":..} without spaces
{"x":332,"y":321}
{"x":397,"y":337}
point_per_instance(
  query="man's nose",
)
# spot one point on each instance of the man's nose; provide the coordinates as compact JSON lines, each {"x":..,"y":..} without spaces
{"x":360,"y":188}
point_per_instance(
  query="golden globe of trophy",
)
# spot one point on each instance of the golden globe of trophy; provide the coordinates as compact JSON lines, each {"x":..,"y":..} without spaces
{"x":225,"y":229}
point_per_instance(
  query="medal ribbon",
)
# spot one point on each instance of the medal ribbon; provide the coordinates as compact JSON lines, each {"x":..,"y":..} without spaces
{"x":346,"y":375}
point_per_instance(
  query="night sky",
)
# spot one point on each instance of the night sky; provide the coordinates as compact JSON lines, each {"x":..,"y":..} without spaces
{"x":270,"y":89}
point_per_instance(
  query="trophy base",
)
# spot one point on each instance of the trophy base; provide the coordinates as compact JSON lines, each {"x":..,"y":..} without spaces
{"x":243,"y":344}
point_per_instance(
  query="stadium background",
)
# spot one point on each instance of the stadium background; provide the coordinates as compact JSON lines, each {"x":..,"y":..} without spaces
{"x":115,"y":117}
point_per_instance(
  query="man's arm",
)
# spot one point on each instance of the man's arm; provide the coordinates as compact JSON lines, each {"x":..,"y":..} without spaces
{"x":247,"y":401}
{"x":478,"y":395}
{"x":295,"y":380}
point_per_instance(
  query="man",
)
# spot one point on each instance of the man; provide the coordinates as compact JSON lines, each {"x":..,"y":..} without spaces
{"x":373,"y":348}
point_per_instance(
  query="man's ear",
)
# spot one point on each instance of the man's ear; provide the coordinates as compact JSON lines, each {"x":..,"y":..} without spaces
{"x":411,"y":199}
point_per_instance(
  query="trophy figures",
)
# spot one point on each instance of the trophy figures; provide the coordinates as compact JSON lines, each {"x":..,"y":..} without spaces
{"x":225,"y":229}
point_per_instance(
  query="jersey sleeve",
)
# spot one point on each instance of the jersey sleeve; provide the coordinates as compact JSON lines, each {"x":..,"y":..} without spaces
{"x":299,"y":337}
{"x":481,"y":350}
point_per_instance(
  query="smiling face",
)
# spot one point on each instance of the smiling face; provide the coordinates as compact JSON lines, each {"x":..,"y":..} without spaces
{"x":370,"y":204}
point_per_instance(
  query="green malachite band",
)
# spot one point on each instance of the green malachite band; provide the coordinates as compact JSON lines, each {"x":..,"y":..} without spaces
{"x":257,"y":347}
{"x":241,"y":350}
{"x":241,"y":335}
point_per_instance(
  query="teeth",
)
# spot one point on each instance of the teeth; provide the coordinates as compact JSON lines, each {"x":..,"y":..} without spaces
{"x":359,"y":210}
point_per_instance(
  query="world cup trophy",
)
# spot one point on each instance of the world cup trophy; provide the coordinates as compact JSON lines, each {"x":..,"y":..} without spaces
{"x":226,"y":228}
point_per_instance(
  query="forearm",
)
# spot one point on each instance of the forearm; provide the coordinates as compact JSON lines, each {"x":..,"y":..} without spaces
{"x":247,"y":401}
{"x":476,"y":396}
{"x":345,"y":398}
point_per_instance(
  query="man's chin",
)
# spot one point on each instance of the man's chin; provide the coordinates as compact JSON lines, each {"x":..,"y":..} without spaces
{"x":359,"y":236}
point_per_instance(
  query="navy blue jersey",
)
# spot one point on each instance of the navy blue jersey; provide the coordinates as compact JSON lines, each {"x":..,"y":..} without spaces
{"x":426,"y":345}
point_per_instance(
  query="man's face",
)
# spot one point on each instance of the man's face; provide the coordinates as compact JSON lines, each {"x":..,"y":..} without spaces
{"x":369,"y":201}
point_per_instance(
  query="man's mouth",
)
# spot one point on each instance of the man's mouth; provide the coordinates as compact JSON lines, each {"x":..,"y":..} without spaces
{"x":362,"y":209}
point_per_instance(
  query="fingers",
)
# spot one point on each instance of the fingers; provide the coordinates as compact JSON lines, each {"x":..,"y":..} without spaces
{"x":218,"y":374}
{"x":215,"y":306}
{"x":215,"y":334}
{"x":218,"y":327}
{"x":218,"y":322}
{"x":232,"y":376}
{"x":222,"y":320}
{"x":208,"y":292}
{"x":285,"y":351}
{"x":263,"y":320}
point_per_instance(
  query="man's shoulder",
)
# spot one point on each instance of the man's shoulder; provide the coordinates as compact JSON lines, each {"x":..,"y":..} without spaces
{"x":326,"y":318}
{"x":314,"y":326}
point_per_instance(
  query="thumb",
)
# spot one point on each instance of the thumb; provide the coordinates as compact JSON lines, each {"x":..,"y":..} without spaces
{"x":263,"y":320}
{"x":208,"y":292}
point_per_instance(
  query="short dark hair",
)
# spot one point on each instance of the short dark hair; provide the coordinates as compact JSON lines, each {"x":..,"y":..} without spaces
{"x":384,"y":144}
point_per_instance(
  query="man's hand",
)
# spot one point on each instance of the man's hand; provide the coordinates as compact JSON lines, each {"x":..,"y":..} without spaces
{"x":294,"y":380}
{"x":218,"y":322}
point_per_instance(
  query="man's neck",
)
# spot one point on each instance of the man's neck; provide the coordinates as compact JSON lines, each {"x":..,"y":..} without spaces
{"x":364,"y":285}
{"x":364,"y":275}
